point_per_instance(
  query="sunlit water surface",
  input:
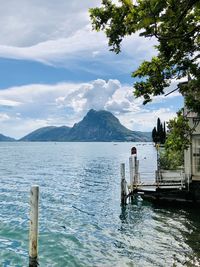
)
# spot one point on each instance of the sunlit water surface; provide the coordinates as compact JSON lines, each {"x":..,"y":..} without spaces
{"x":81,"y":220}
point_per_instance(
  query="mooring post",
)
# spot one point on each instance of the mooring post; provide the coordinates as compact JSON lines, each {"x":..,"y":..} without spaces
{"x":137,"y":172}
{"x":33,"y":231}
{"x":134,"y":168}
{"x":123,"y":184}
{"x":131,"y":170}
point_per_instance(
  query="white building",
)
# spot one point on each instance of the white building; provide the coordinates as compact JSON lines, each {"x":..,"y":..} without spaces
{"x":192,"y":154}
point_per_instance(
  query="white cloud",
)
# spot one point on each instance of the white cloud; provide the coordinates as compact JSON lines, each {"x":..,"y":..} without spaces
{"x":47,"y":31}
{"x":9,"y":103}
{"x":58,"y":50}
{"x":123,"y":101}
{"x":59,"y":33}
{"x":83,"y":45}
{"x":32,"y":106}
{"x":29,"y":22}
{"x":99,"y":94}
{"x":145,"y":119}
{"x":4,"y":117}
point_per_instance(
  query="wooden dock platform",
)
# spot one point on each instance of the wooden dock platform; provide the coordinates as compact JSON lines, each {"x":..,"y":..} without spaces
{"x":166,"y":184}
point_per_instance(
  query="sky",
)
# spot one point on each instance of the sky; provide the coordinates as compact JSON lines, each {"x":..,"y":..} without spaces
{"x":54,"y":69}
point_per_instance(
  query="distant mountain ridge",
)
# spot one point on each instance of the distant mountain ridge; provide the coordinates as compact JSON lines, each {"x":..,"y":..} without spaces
{"x":95,"y":126}
{"x":50,"y":133}
{"x":4,"y":138}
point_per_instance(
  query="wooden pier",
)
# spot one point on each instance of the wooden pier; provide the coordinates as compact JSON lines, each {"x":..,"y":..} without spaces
{"x":169,"y":184}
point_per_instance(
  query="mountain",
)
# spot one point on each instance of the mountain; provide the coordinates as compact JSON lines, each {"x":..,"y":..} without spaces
{"x":50,"y":133}
{"x":103,"y":126}
{"x":95,"y":126}
{"x":4,"y":138}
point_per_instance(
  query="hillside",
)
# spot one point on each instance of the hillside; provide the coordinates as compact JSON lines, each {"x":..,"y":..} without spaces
{"x":50,"y":133}
{"x":4,"y":138}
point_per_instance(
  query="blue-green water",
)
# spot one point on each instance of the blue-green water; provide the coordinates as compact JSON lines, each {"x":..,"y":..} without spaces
{"x":81,"y":220}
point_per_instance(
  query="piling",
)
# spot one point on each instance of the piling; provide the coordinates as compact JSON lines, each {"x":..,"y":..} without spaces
{"x":123,"y":184}
{"x":134,"y":168}
{"x":131,"y":170}
{"x":33,"y":231}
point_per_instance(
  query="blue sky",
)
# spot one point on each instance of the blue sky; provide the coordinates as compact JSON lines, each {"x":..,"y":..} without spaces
{"x":54,"y":68}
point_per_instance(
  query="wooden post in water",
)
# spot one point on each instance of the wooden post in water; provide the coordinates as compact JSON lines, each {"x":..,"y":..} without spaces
{"x":131,"y":170}
{"x":33,"y":231}
{"x":123,"y":184}
{"x":134,"y":168}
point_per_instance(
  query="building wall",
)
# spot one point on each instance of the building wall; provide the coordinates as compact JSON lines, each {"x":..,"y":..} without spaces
{"x":192,"y":155}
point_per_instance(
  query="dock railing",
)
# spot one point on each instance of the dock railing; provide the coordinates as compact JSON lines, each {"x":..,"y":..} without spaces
{"x":174,"y":178}
{"x":163,"y":179}
{"x":139,"y":181}
{"x":171,"y":179}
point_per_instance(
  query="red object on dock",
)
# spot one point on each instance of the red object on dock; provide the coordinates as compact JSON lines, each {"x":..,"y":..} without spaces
{"x":133,"y":151}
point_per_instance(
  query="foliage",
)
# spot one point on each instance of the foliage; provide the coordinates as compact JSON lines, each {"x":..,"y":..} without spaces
{"x":176,"y":26}
{"x":178,"y":133}
{"x":177,"y":141}
{"x":154,"y":135}
{"x":171,"y":160}
{"x":159,"y":133}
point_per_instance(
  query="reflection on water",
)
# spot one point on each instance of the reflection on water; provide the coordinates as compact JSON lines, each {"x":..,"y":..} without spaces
{"x":81,"y":220}
{"x":163,"y":237}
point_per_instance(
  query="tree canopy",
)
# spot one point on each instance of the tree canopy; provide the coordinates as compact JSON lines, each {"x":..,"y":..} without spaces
{"x":159,"y":133}
{"x":176,"y":26}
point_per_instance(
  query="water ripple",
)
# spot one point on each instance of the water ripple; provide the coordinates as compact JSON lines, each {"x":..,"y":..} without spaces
{"x":81,"y":221}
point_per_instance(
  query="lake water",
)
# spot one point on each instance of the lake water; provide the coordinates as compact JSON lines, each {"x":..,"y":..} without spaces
{"x":81,"y":220}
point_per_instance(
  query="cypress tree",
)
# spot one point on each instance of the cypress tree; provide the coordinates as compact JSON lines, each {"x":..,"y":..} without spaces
{"x":154,"y":135}
{"x":159,"y":133}
{"x":158,"y":125}
{"x":164,"y":133}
